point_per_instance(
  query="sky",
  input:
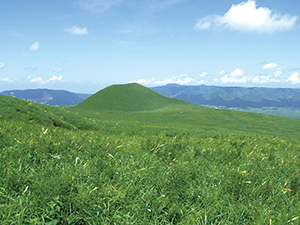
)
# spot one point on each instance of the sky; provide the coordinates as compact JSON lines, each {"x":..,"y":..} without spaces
{"x":85,"y":45}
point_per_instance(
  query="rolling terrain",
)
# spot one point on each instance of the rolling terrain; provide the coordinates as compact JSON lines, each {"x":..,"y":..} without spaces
{"x":117,"y":159}
{"x":144,"y":107}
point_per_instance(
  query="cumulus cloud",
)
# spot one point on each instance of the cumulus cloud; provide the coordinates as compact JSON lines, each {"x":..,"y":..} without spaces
{"x":76,"y":30}
{"x":256,"y":79}
{"x":246,"y":17}
{"x":265,"y":79}
{"x":228,"y":79}
{"x":37,"y":80}
{"x":95,"y":6}
{"x":165,"y":81}
{"x":42,"y":81}
{"x":179,"y":79}
{"x":5,"y":80}
{"x":237,"y":72}
{"x":222,"y":72}
{"x":186,"y":80}
{"x":268,"y":79}
{"x":203,"y":74}
{"x":270,"y":66}
{"x":144,"y":81}
{"x":278,"y":73}
{"x":55,"y":78}
{"x":34,"y":47}
{"x":294,"y":78}
{"x":179,"y":76}
{"x":2,"y":65}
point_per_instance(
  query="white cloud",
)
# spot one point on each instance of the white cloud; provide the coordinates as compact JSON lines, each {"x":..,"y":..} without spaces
{"x":55,"y":78}
{"x":176,"y":80}
{"x":95,"y":6}
{"x":227,"y":79}
{"x":42,"y":81}
{"x":270,"y":66}
{"x":256,"y":79}
{"x":267,"y":79}
{"x":264,"y":80}
{"x":179,"y":76}
{"x":246,"y":17}
{"x":237,"y":72}
{"x":294,"y":78}
{"x":76,"y":30}
{"x":203,"y":74}
{"x":37,"y":80}
{"x":34,"y":47}
{"x":185,"y":80}
{"x":6,"y":80}
{"x":278,"y":73}
{"x":144,"y":81}
{"x":222,"y":72}
{"x":2,"y":65}
{"x":165,"y":81}
{"x":202,"y":24}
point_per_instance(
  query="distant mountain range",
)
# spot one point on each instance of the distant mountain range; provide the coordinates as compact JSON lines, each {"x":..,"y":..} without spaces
{"x":48,"y":97}
{"x":227,"y":97}
{"x":255,"y":97}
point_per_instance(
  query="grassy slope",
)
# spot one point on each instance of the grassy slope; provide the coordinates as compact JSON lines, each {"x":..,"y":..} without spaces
{"x":126,"y":98}
{"x":13,"y":109}
{"x":123,"y":173}
{"x":83,"y":177}
{"x":166,"y":113}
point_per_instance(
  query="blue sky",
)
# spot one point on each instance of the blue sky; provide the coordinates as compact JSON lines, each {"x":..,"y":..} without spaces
{"x":86,"y":45}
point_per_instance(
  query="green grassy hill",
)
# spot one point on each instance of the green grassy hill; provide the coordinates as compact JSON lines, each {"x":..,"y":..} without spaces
{"x":13,"y":109}
{"x":133,"y":105}
{"x":175,"y":163}
{"x":126,"y":98}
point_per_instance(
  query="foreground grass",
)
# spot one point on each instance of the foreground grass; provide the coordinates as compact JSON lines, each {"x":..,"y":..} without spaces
{"x":61,"y":176}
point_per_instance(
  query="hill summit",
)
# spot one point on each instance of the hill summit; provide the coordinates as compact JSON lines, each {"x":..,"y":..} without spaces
{"x":127,"y":97}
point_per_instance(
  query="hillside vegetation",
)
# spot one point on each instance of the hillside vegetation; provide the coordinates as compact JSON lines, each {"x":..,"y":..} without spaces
{"x":164,"y":165}
{"x":13,"y":109}
{"x":128,"y":106}
{"x":126,"y":98}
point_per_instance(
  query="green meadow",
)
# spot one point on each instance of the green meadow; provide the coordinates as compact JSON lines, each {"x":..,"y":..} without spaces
{"x":128,"y":155}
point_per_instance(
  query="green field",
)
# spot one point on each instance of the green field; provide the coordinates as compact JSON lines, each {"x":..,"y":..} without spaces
{"x":278,"y":111}
{"x":127,"y":155}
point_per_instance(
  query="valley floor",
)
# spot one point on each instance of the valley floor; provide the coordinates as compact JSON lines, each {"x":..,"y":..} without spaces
{"x":276,"y":111}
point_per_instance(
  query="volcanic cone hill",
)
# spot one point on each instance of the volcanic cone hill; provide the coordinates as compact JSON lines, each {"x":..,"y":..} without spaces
{"x":128,"y":98}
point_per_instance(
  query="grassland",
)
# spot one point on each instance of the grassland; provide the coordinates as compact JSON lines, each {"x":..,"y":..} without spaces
{"x":160,"y":166}
{"x":278,"y":111}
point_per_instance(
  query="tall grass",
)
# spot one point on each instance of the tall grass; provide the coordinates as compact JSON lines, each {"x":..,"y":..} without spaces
{"x":173,"y":165}
{"x":61,"y":176}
